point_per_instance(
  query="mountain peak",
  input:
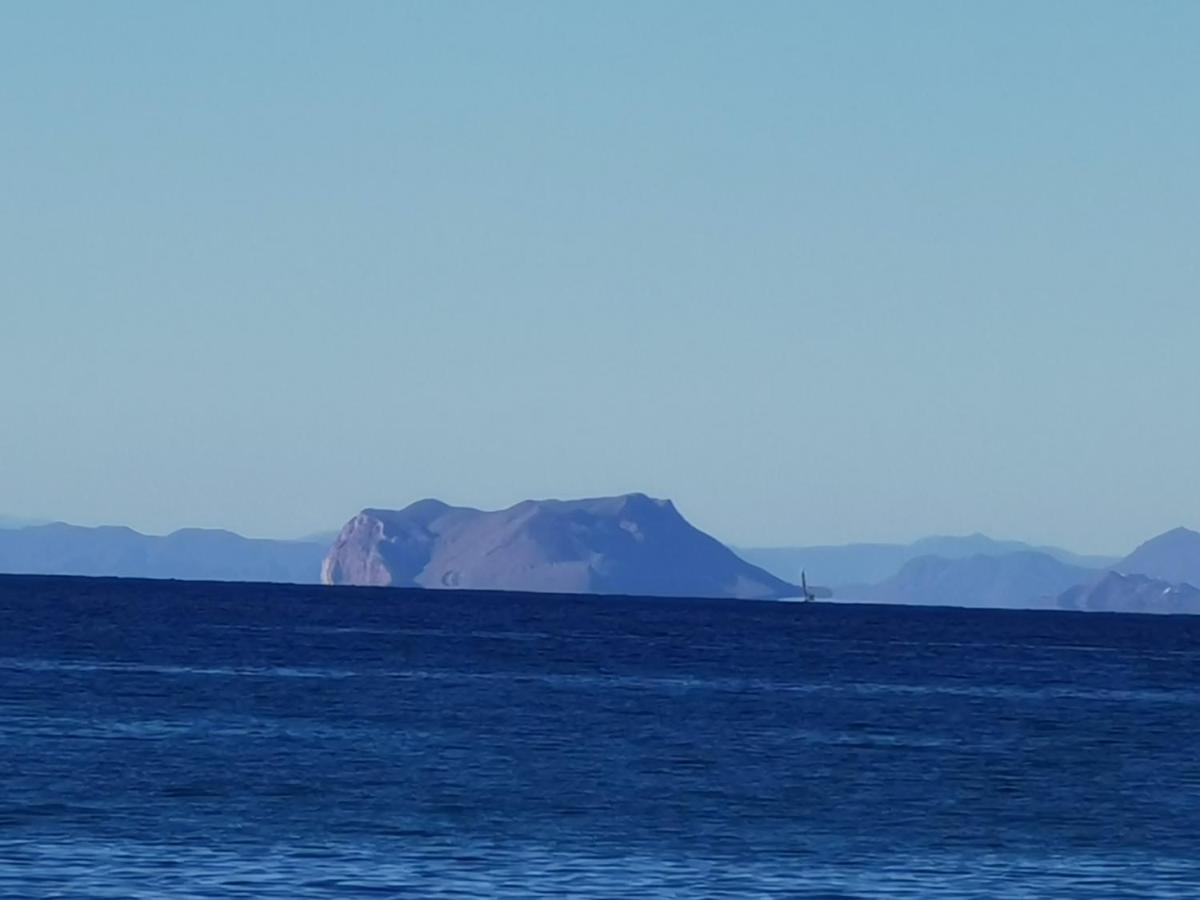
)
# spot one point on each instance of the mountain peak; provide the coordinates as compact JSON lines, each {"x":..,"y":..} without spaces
{"x":1178,"y":533}
{"x":1173,"y":557}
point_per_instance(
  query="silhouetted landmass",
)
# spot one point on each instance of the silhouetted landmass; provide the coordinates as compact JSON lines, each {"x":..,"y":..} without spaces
{"x":631,"y":544}
{"x":1023,"y":580}
{"x":861,"y":564}
{"x":1132,"y":593}
{"x":190,"y":553}
{"x":1173,"y":557}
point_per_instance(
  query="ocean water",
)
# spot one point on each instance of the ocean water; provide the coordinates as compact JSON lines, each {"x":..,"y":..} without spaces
{"x":202,"y":740}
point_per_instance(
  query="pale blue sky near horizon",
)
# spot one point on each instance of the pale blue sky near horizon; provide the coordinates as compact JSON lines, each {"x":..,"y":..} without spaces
{"x":819,"y":272}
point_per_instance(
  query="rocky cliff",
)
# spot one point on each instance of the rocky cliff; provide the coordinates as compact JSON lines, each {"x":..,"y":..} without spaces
{"x":630,"y":544}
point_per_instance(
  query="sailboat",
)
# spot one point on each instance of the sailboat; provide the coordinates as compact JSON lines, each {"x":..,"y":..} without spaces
{"x":808,"y":595}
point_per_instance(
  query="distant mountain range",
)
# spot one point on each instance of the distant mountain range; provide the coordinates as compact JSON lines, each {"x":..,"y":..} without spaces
{"x":1025,"y":579}
{"x":1162,"y":575}
{"x":1115,"y":592}
{"x":631,"y":544}
{"x":1159,"y":576}
{"x":191,"y":553}
{"x":861,"y":564}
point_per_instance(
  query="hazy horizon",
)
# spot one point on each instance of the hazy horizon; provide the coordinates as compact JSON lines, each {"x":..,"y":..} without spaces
{"x":820,"y":273}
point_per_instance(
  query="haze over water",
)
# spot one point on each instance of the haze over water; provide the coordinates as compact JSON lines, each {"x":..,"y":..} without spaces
{"x":208,"y":740}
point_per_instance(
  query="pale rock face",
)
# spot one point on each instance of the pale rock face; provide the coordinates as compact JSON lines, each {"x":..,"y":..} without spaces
{"x":360,"y":561}
{"x":631,"y":544}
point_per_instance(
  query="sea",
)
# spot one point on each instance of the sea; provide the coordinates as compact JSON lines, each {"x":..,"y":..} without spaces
{"x":203,"y":740}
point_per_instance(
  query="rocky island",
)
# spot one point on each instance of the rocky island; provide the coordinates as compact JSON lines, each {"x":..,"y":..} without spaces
{"x":630,"y":544}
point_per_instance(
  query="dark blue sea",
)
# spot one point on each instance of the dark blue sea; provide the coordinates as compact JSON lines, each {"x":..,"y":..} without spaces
{"x":198,"y":740}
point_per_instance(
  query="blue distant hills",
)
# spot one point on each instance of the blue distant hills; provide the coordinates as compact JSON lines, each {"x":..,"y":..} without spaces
{"x":630,"y":544}
{"x":190,"y":553}
{"x":976,"y":570}
{"x":860,"y":564}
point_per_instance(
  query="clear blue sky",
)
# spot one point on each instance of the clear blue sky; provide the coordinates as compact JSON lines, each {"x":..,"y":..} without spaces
{"x":818,"y":271}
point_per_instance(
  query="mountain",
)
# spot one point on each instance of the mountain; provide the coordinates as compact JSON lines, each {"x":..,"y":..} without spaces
{"x":1022,"y":580}
{"x":1173,"y":557}
{"x":858,"y":564}
{"x":1132,"y":593}
{"x":191,"y":553}
{"x":630,"y":544}
{"x":951,"y":547}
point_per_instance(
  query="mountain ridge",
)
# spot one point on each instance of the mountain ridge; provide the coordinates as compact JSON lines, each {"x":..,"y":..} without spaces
{"x":1024,"y":580}
{"x":1157,"y":576}
{"x":842,"y":565}
{"x":58,"y":548}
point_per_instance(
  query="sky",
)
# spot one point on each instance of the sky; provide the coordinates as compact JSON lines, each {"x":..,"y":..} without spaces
{"x":819,"y":272}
